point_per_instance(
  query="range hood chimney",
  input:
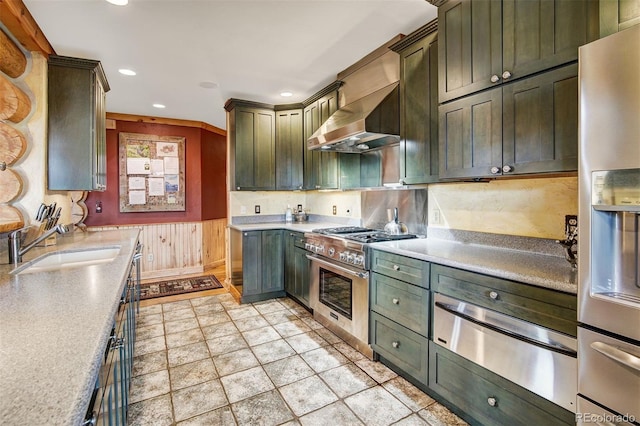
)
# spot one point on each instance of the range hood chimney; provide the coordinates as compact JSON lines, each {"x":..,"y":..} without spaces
{"x":369,"y":114}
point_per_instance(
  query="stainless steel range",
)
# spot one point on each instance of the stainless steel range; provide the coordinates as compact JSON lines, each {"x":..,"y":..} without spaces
{"x":339,"y":287}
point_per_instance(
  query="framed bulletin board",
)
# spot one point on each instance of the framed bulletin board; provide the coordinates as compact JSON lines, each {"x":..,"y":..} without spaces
{"x":151,"y":173}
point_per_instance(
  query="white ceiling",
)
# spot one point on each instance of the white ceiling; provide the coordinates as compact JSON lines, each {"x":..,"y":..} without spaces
{"x":252,"y":49}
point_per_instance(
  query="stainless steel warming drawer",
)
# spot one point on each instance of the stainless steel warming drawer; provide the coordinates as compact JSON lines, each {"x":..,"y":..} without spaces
{"x":534,"y":357}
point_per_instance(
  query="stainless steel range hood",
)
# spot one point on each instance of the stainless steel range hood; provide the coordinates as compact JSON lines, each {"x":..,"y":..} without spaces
{"x":368,"y":116}
{"x":368,"y":123}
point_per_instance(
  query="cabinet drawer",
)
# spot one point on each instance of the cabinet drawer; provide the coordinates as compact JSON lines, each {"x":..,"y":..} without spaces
{"x":406,"y":304}
{"x":487,"y":398}
{"x":413,"y":271}
{"x":546,"y":307}
{"x":401,"y":346}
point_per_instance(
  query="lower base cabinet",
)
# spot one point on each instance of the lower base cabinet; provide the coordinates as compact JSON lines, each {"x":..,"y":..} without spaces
{"x":482,"y":397}
{"x":296,"y":268}
{"x":404,"y":348}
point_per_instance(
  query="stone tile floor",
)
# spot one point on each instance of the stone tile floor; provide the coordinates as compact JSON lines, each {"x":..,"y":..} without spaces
{"x":210,"y":361}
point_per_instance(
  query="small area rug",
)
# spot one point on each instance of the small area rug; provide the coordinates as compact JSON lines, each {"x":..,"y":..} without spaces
{"x":178,"y":286}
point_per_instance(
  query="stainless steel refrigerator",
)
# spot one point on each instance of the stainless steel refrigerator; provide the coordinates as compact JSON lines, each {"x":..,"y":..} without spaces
{"x":609,"y":231}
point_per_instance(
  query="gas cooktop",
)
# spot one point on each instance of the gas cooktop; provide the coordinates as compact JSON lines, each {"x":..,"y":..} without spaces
{"x":362,"y":235}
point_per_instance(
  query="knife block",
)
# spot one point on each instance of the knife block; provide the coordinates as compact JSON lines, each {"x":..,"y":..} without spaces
{"x":49,"y":241}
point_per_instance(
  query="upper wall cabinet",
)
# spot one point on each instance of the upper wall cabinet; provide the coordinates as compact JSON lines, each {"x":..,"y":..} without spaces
{"x":289,"y":149}
{"x":515,"y":38}
{"x":419,"y":105}
{"x":525,"y":127}
{"x":320,"y":168}
{"x":76,"y":127}
{"x":616,"y":15}
{"x":252,"y":136}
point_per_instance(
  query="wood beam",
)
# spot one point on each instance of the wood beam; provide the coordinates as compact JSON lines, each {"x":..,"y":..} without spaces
{"x":15,"y":16}
{"x":168,"y":121}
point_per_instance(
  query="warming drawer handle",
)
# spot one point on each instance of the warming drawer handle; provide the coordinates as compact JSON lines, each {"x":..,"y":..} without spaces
{"x":617,"y":354}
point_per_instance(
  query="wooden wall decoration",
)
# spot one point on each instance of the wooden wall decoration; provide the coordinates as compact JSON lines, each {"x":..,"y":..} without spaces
{"x":152,"y":173}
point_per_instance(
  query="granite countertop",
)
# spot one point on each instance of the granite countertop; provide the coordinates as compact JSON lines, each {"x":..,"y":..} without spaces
{"x":54,"y":328}
{"x":542,"y":270}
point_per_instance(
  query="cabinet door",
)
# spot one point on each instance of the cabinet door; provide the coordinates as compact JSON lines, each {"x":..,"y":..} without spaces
{"x":419,"y":112}
{"x":471,"y":136}
{"x":469,"y":54}
{"x":542,"y":34}
{"x":311,"y":118}
{"x":254,"y":149}
{"x":289,"y":150}
{"x":251,"y":263}
{"x":272,"y":263}
{"x":329,"y":161}
{"x":540,"y":123}
{"x":616,"y":15}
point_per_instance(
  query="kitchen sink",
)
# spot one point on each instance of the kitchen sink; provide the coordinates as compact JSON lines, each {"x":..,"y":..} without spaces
{"x":68,"y":259}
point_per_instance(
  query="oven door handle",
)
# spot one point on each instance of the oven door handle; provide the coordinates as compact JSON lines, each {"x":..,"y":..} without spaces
{"x":357,"y":274}
{"x":617,"y":355}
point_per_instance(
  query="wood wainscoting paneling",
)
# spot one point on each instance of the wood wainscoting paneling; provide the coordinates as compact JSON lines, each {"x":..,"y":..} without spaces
{"x":178,"y":249}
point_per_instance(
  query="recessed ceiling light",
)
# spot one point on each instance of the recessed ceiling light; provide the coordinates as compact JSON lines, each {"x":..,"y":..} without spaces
{"x":159,"y":106}
{"x":208,"y":84}
{"x":126,"y":71}
{"x":286,"y":94}
{"x":119,"y":2}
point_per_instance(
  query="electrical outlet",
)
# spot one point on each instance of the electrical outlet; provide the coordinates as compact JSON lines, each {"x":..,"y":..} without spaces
{"x":436,"y":216}
{"x":335,"y":210}
{"x":570,"y":225}
{"x":150,"y":257}
{"x":257,"y":209}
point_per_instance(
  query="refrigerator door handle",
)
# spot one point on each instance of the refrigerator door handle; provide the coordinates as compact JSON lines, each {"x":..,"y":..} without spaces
{"x":617,"y":355}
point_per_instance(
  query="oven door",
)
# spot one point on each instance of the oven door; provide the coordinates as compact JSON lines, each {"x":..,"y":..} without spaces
{"x":339,"y":295}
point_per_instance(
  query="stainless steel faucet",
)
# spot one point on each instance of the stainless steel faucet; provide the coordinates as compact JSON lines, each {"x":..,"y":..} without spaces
{"x":15,"y":241}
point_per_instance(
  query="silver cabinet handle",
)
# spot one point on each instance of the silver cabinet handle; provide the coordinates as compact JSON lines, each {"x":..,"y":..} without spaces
{"x":396,"y":268}
{"x":395,"y":301}
{"x":492,"y":401}
{"x":395,"y":344}
{"x":506,"y":75}
{"x":495,"y":170}
{"x":495,"y":78}
{"x":507,"y":169}
{"x":617,"y":354}
{"x":493,"y":295}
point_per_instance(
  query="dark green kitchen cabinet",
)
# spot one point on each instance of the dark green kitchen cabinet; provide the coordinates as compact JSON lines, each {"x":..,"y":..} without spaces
{"x":483,"y":43}
{"x":76,"y":140}
{"x":262,"y":266}
{"x":296,"y":267}
{"x":482,"y":397}
{"x":419,"y":106}
{"x":616,"y":15}
{"x":528,"y":126}
{"x":289,"y":150}
{"x":321,"y":169}
{"x":251,"y":134}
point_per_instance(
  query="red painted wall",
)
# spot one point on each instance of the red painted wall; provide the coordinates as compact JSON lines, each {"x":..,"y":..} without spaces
{"x":205,"y":196}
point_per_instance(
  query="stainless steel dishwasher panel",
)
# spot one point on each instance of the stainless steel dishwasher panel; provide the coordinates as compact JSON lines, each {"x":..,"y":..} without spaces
{"x":541,"y":360}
